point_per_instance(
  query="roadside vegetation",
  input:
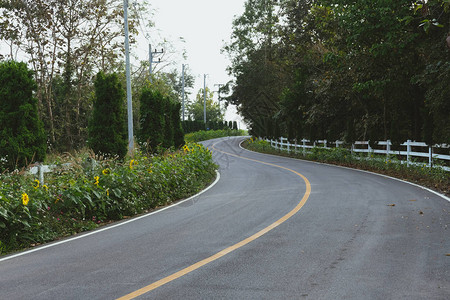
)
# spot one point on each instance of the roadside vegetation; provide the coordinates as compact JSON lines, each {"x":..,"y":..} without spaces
{"x":367,"y":70}
{"x":434,"y":178}
{"x":86,"y":191}
{"x":88,"y":188}
{"x":204,"y":135}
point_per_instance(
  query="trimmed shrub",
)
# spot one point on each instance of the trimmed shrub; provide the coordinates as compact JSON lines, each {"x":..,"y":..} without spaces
{"x":22,"y":137}
{"x":107,"y":127}
{"x":193,"y":126}
{"x":152,"y":119}
{"x":169,"y":126}
{"x":178,"y":134}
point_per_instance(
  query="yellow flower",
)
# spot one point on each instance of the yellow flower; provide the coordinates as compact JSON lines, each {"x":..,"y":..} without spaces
{"x":107,"y":192}
{"x":25,"y":199}
{"x":45,"y":187}
{"x":186,"y":148}
{"x":96,"y":180}
{"x":132,"y":162}
{"x":150,"y":170}
{"x":106,"y":171}
{"x":37,"y":183}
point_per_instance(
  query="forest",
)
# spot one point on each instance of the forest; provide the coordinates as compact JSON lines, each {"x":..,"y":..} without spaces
{"x":343,"y":69}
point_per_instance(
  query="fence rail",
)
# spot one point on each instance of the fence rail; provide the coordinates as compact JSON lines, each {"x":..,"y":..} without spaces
{"x":364,"y":147}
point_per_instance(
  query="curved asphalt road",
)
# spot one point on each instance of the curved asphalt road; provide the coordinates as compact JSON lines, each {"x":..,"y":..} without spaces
{"x":346,"y":242}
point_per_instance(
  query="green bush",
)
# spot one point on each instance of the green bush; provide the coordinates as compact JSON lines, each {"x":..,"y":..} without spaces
{"x":168,"y":124}
{"x":193,"y":126}
{"x":211,"y":134}
{"x":90,"y":191}
{"x":160,"y":124}
{"x":107,"y":127}
{"x":178,"y":128}
{"x":22,"y":137}
{"x":152,"y":120}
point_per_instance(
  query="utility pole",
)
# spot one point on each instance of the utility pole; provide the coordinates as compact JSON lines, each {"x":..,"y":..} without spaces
{"x":182,"y":91}
{"x":204,"y":98}
{"x":151,"y":55}
{"x":128,"y":75}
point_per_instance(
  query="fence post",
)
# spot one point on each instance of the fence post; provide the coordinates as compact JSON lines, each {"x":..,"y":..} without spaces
{"x":41,"y":173}
{"x":304,"y":147}
{"x":337,"y":143}
{"x":408,"y":151}
{"x":324,"y":143}
{"x":430,"y":156}
{"x":369,"y":149}
{"x":388,"y":149}
{"x":288,"y":146}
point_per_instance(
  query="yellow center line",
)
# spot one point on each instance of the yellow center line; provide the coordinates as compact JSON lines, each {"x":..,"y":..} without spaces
{"x":225,"y":251}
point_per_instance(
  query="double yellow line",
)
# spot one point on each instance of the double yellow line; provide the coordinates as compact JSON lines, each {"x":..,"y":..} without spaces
{"x":224,"y":252}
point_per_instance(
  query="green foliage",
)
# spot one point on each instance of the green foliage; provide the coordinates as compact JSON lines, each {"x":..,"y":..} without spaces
{"x":213,"y":111}
{"x":22,"y":138}
{"x":53,"y":35}
{"x":90,"y":191}
{"x":204,"y":135}
{"x":193,"y":126}
{"x":107,"y":128}
{"x":152,"y":119}
{"x":178,"y":133}
{"x":169,"y":126}
{"x":340,"y":69}
{"x":160,"y":123}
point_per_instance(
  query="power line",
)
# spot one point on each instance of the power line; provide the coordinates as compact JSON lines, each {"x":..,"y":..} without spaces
{"x":151,"y":55}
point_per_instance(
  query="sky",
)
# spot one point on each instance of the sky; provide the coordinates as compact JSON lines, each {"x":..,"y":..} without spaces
{"x":205,"y":26}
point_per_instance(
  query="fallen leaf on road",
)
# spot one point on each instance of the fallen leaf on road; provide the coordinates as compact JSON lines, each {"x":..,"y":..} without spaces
{"x":413,"y":200}
{"x":448,"y":254}
{"x":391,"y":205}
{"x":420,"y":212}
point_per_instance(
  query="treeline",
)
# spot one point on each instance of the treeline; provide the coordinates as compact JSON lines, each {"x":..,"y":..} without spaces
{"x":65,"y":44}
{"x":22,"y":136}
{"x":195,"y":125}
{"x":341,"y":69}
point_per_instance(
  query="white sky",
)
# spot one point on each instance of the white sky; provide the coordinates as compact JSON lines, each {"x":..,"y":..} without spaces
{"x":205,"y":26}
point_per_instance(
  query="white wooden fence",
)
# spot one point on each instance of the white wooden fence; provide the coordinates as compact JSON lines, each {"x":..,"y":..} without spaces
{"x":364,"y":147}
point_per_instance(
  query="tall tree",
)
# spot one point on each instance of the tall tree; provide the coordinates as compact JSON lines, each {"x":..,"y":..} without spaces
{"x":255,"y":62}
{"x":66,"y":43}
{"x":22,"y":138}
{"x":152,"y":119}
{"x":213,"y":111}
{"x":107,"y":127}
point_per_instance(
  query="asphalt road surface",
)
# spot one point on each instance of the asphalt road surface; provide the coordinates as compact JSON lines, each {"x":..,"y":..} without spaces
{"x":270,"y":228}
